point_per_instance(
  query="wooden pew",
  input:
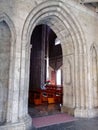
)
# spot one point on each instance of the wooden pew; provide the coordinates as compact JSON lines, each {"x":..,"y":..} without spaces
{"x":52,"y":94}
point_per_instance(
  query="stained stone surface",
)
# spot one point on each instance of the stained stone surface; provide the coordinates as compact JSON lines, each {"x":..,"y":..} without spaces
{"x":76,"y":26}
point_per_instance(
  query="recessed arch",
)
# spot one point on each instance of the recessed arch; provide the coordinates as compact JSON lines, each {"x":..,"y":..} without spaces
{"x":54,"y":14}
{"x":94,"y":75}
{"x":4,"y":18}
{"x":54,"y":9}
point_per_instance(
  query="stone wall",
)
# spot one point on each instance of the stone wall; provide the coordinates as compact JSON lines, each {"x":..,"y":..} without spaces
{"x":76,"y":27}
{"x":4,"y":68}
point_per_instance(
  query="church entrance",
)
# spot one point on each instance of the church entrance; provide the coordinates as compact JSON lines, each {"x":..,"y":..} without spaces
{"x":44,"y":59}
{"x":37,"y":65}
{"x":45,"y":84}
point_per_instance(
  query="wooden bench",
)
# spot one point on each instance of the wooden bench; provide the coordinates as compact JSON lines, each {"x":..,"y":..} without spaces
{"x":52,"y":94}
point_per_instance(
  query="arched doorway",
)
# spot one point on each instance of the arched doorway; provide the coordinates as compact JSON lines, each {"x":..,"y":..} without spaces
{"x":58,"y":17}
{"x":45,"y":65}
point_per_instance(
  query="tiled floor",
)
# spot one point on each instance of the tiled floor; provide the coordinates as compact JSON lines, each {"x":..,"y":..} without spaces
{"x":80,"y":124}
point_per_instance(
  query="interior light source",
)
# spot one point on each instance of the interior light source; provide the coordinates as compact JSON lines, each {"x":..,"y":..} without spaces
{"x":58,"y":77}
{"x":57,"y":41}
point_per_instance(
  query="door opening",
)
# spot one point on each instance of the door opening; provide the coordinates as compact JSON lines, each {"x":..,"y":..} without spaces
{"x":45,"y":84}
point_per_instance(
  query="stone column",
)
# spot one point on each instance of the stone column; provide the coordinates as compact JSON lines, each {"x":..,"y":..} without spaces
{"x":82,"y":80}
{"x":15,"y":98}
{"x":42,"y":72}
{"x":24,"y":82}
{"x":90,"y":88}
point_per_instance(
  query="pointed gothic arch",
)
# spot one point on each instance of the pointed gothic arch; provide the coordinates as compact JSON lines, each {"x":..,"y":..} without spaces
{"x":9,"y":53}
{"x":59,"y":17}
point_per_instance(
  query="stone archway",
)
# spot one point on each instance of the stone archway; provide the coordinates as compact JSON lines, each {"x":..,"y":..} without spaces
{"x":60,"y":19}
{"x":7,"y":42}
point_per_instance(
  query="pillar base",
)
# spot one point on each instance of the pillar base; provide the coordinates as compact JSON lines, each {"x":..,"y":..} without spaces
{"x":68,"y":110}
{"x":86,"y":113}
{"x":23,"y":124}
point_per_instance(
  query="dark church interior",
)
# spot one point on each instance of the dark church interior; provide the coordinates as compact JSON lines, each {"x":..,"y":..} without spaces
{"x":45,"y":84}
